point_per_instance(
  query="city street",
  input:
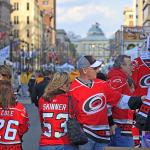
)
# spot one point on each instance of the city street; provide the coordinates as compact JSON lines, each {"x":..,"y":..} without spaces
{"x":31,"y":138}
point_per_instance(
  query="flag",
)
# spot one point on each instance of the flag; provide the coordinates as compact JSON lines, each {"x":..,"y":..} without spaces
{"x":2,"y":35}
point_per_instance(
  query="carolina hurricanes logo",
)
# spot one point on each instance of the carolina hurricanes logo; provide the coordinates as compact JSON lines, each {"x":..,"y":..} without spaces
{"x":94,"y":104}
{"x":145,"y":81}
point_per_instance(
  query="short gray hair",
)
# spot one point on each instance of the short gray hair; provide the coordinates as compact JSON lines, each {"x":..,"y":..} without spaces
{"x":120,"y":60}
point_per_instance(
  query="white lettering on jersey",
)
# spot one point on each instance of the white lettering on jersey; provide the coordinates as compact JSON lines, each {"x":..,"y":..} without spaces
{"x":7,"y":113}
{"x":54,"y":106}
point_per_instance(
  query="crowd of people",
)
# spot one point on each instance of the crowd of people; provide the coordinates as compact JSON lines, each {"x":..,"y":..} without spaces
{"x":112,"y":109}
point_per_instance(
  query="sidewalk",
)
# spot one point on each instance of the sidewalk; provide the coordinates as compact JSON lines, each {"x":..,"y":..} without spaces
{"x":24,"y":100}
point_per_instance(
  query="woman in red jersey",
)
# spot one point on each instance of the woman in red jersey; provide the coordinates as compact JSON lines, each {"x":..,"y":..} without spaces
{"x":13,"y":118}
{"x":53,"y":111}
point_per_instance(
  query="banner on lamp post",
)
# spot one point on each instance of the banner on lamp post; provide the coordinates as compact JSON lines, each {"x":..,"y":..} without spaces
{"x":4,"y":53}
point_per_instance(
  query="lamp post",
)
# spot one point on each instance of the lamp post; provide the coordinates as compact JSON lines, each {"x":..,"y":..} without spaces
{"x":32,"y":55}
{"x":11,"y":46}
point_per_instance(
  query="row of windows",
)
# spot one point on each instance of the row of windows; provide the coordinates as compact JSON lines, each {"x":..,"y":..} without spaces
{"x":16,"y":33}
{"x":16,"y":6}
{"x":16,"y":20}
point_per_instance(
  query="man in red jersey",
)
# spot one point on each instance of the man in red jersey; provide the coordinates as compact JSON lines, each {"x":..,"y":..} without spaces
{"x":119,"y":79}
{"x":53,"y":112}
{"x":13,"y":118}
{"x":141,"y":76}
{"x":91,"y":97}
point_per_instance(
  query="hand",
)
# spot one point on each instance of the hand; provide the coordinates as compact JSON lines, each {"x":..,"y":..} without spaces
{"x":143,"y":97}
{"x":112,"y":129}
{"x":142,"y":115}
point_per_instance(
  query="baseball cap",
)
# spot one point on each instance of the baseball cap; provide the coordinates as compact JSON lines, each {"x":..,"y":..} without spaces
{"x":88,"y":61}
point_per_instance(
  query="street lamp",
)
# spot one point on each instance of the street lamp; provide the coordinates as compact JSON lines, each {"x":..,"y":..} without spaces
{"x":11,"y":46}
{"x":32,"y":55}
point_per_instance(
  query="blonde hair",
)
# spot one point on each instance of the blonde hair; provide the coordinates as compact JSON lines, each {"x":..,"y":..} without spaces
{"x":54,"y":87}
{"x":7,"y":97}
{"x":5,"y":71}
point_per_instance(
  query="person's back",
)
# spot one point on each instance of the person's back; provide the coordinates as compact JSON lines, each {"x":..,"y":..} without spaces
{"x":53,"y":112}
{"x":38,"y":88}
{"x":13,"y":118}
{"x":57,"y":110}
{"x":31,"y":84}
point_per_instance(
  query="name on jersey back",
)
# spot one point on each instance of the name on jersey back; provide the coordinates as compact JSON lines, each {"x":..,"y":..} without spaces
{"x":54,"y":106}
{"x":6,"y":113}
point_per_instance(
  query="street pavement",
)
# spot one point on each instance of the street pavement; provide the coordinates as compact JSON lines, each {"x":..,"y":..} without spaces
{"x":31,"y":138}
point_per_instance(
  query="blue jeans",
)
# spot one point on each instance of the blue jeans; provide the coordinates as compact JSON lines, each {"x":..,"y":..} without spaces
{"x":120,"y":140}
{"x":59,"y":147}
{"x":92,"y":145}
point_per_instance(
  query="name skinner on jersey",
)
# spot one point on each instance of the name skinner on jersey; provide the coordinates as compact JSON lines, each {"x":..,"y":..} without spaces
{"x":94,"y":104}
{"x":53,"y":106}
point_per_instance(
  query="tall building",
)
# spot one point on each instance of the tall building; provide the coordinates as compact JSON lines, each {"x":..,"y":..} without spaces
{"x":27,"y":27}
{"x":5,"y":10}
{"x":146,"y":13}
{"x":48,"y":7}
{"x":138,"y":8}
{"x":129,"y":14}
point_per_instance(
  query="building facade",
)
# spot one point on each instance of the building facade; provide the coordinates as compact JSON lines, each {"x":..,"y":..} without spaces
{"x":48,"y":8}
{"x":95,"y":43}
{"x":27,"y":27}
{"x":129,"y":15}
{"x":138,"y":8}
{"x":5,"y":10}
{"x":146,"y":13}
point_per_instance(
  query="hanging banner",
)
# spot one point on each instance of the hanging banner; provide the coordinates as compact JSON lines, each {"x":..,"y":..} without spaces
{"x":135,"y":33}
{"x":5,"y":53}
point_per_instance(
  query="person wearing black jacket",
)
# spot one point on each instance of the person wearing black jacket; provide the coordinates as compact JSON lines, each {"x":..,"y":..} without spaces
{"x":38,"y":89}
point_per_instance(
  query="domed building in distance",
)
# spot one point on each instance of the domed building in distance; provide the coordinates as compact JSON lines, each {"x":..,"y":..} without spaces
{"x":95,"y":43}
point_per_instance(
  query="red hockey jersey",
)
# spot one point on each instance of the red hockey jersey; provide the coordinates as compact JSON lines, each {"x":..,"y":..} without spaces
{"x":141,"y":76}
{"x":53,"y":117}
{"x":118,"y":81}
{"x":91,"y":107}
{"x":13,"y":124}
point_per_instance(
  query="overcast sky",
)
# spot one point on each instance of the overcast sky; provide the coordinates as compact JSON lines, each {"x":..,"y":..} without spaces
{"x":79,"y":15}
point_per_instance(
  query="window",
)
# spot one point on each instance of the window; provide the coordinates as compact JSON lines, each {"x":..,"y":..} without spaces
{"x":16,"y":19}
{"x":16,"y":6}
{"x":130,"y":16}
{"x":131,"y":23}
{"x":28,"y":20}
{"x":28,"y":33}
{"x":28,"y":7}
{"x":45,"y":2}
{"x":16,"y":33}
